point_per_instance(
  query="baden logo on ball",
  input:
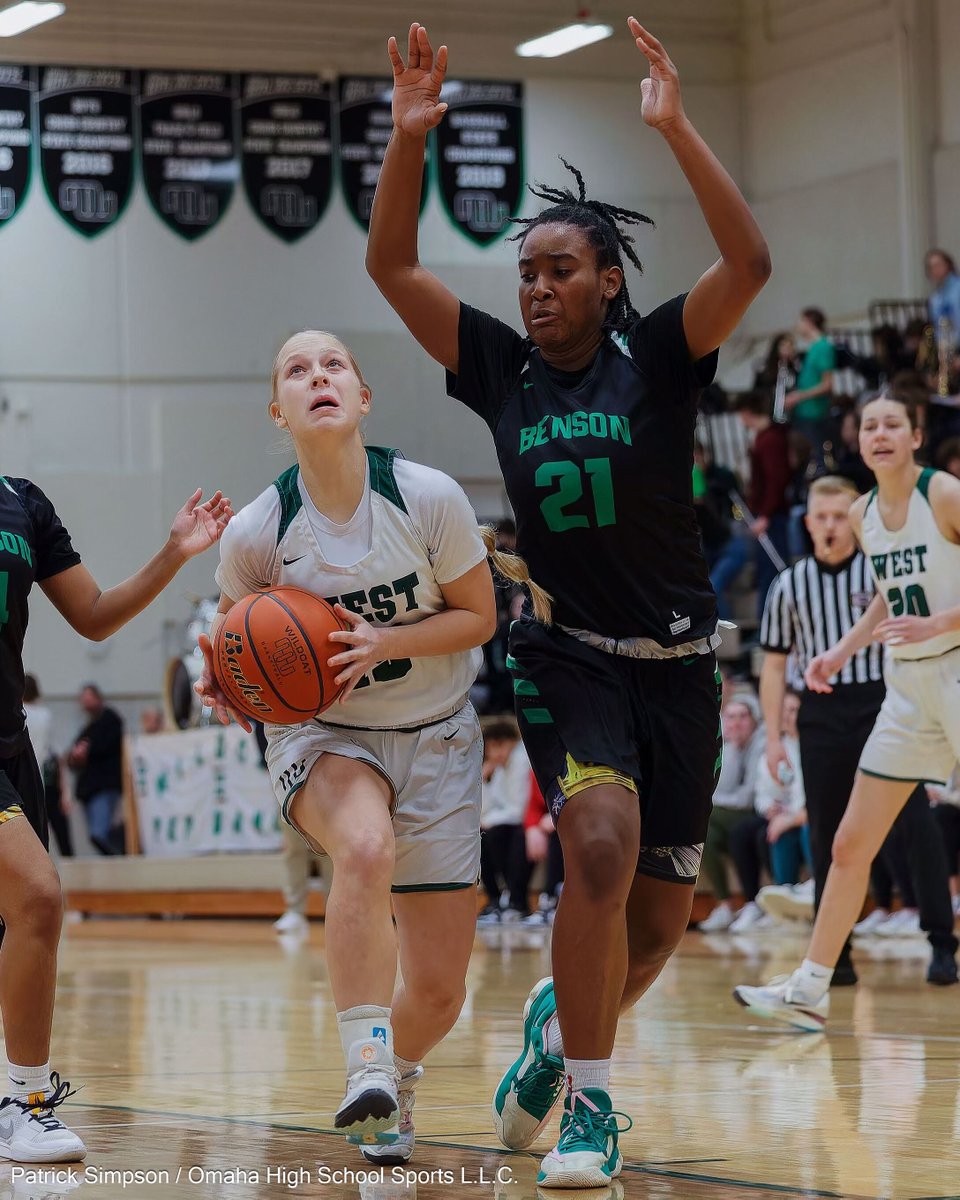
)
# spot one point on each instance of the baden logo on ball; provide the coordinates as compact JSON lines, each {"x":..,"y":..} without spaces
{"x":271,"y":656}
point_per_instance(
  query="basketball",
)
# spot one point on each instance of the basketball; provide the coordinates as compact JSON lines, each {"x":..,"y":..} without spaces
{"x":271,"y":652}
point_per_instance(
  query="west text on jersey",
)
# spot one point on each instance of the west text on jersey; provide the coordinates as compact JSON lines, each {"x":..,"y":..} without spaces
{"x":575,"y":425}
{"x":898,"y":562}
{"x":381,"y":598}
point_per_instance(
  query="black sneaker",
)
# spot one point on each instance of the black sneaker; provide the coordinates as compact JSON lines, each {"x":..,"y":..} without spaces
{"x":943,"y":967}
{"x":843,"y":974}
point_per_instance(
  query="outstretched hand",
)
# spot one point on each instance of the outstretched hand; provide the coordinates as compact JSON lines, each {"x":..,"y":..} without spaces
{"x":197,"y":527}
{"x":660,"y":105}
{"x":416,"y":85}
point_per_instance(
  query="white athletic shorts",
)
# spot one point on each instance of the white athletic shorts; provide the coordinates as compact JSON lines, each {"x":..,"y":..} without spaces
{"x":434,"y":775}
{"x":917,"y":733}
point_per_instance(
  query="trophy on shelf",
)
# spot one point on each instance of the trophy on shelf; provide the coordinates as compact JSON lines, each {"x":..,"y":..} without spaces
{"x":780,"y":395}
{"x":181,"y":702}
{"x":946,"y":350}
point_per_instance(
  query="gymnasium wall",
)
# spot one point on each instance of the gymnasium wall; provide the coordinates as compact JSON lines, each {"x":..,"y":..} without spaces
{"x":851,"y":148}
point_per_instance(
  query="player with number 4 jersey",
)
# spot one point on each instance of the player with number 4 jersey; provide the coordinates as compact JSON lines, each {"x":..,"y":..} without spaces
{"x":387,"y":782}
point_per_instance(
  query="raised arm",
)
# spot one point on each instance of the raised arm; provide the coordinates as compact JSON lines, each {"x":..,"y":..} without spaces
{"x":96,"y":614}
{"x":428,"y":309}
{"x":722,"y":295}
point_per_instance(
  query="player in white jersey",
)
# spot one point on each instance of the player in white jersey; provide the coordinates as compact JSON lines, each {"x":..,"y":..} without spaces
{"x":909,"y":528}
{"x":387,"y":783}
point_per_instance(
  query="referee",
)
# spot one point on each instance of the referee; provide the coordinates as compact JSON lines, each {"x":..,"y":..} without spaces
{"x":810,"y":606}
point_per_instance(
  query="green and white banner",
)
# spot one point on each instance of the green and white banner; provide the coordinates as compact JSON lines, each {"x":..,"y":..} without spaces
{"x":203,"y":791}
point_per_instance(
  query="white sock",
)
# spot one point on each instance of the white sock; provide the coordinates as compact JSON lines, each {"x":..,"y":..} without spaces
{"x":28,"y":1081}
{"x":814,"y":979}
{"x":405,"y":1066}
{"x":587,"y":1073}
{"x":552,"y":1038}
{"x":364,"y":1023}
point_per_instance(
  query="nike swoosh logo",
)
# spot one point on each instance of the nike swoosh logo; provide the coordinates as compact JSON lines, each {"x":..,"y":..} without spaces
{"x":452,"y":735}
{"x":288,"y":562}
{"x":18,"y":1082}
{"x":527,"y":385}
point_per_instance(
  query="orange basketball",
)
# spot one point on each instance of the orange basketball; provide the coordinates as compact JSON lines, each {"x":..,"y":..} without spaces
{"x":271,"y":652}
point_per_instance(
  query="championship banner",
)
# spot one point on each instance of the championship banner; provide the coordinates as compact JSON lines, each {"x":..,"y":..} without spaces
{"x":203,"y":791}
{"x":285,"y":136}
{"x":16,"y":137}
{"x":86,"y":143}
{"x":365,"y":126}
{"x":189,"y":150}
{"x":480,"y":156}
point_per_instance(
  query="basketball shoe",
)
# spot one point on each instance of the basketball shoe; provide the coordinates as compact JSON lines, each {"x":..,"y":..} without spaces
{"x":532,"y":1085}
{"x":30,"y":1131}
{"x":587,"y":1154}
{"x":400,"y":1151}
{"x":370,"y":1110}
{"x":786,"y":999}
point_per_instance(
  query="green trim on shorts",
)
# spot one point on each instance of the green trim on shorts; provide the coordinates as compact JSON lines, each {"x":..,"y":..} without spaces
{"x":900,"y":778}
{"x":432,"y":887}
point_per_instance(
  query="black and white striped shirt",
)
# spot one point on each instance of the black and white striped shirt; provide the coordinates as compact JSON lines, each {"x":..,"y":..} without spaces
{"x":810,"y":607}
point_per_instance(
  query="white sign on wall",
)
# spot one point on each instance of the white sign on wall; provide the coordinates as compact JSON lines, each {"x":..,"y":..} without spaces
{"x":203,"y":791}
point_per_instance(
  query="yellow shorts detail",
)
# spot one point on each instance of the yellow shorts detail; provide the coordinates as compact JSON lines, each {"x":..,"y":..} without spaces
{"x":14,"y":810}
{"x":580,"y":776}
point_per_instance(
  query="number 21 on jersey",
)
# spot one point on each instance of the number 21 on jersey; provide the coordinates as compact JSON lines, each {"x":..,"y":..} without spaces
{"x":568,"y":480}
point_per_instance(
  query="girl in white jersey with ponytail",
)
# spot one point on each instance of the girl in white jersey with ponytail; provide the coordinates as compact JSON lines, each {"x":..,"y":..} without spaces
{"x":909,"y":528}
{"x":387,"y":783}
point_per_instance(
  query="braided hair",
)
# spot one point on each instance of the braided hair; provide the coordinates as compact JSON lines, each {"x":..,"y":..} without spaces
{"x":600,"y":222}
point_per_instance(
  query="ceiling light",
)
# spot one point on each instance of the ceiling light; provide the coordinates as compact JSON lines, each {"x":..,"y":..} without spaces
{"x":562,"y":41}
{"x":21,"y":17}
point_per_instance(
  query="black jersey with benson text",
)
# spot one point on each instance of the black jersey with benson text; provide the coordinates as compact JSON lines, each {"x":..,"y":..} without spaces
{"x":33,"y":546}
{"x":598,"y":467}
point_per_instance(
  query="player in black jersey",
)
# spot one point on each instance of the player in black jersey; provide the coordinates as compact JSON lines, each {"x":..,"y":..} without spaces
{"x":35,"y":548}
{"x":593,"y":417}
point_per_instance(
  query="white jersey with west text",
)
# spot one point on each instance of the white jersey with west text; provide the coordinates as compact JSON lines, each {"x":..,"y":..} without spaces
{"x":419,"y":533}
{"x":915,"y":567}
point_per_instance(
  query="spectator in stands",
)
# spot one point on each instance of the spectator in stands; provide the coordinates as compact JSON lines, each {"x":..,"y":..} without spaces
{"x":784,"y":805}
{"x":733,"y":801}
{"x":946,"y":809}
{"x":948,"y":456}
{"x":726,"y":545}
{"x":944,"y":300}
{"x":543,"y":845}
{"x":97,"y":758}
{"x":40,"y":727}
{"x":152,"y":720}
{"x":808,"y":405}
{"x":800,"y":458}
{"x":781,"y":355}
{"x":770,"y":477}
{"x":848,"y":461}
{"x":888,"y":357}
{"x":504,"y":868}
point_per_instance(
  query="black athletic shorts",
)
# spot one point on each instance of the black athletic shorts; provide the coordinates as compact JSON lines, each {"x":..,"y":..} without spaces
{"x":21,"y":786}
{"x":653,"y":724}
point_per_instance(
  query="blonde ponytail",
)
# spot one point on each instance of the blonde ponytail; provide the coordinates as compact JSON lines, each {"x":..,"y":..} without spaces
{"x":513,"y":567}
